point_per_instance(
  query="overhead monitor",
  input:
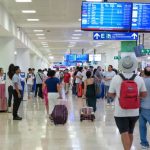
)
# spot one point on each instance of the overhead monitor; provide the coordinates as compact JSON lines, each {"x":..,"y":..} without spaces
{"x":70,"y":57}
{"x":97,"y":16}
{"x":141,"y":17}
{"x":82,"y":58}
{"x":94,"y":57}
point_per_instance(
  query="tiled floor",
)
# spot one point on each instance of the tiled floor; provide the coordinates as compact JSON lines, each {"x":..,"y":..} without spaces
{"x":35,"y":132}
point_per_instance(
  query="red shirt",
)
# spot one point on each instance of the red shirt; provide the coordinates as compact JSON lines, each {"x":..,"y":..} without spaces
{"x":67,"y":77}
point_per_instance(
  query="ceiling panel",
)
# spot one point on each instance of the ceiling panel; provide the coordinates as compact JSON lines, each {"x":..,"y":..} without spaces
{"x":59,"y":19}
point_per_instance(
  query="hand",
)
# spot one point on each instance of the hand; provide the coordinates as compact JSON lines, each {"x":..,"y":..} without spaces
{"x":19,"y":95}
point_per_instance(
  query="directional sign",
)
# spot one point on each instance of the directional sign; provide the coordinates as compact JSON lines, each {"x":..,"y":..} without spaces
{"x":127,"y":36}
{"x":146,"y":51}
{"x":117,"y":57}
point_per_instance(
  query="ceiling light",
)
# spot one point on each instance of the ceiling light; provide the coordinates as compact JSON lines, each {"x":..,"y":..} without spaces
{"x":24,"y":1}
{"x":79,"y":20}
{"x":44,"y":42}
{"x":40,"y":34}
{"x":75,"y":38}
{"x":33,"y":19}
{"x":38,"y":30}
{"x":41,"y":38}
{"x":94,"y":0}
{"x":51,"y":57}
{"x":45,"y":46}
{"x":71,"y":46}
{"x":78,"y":31}
{"x":28,"y":11}
{"x":77,"y":34}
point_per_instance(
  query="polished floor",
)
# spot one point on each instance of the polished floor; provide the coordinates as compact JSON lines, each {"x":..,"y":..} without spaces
{"x":36,"y":132}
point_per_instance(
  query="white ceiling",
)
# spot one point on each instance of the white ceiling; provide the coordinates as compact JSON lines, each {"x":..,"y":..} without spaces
{"x":58,"y":19}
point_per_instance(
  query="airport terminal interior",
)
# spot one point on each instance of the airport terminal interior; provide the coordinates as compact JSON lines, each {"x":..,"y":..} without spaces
{"x":63,"y":35}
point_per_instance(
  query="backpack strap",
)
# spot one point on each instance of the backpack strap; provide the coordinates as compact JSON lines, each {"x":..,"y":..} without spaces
{"x":122,"y":76}
{"x":133,"y":77}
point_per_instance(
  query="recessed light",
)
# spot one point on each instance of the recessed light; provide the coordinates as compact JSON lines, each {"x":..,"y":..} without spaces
{"x":24,"y":1}
{"x":75,"y":38}
{"x":42,"y":38}
{"x":28,"y":11}
{"x":40,"y":34}
{"x":77,"y":34}
{"x":78,"y":31}
{"x":33,"y":19}
{"x":45,"y":46}
{"x":94,"y":0}
{"x":37,"y":30}
{"x":51,"y":57}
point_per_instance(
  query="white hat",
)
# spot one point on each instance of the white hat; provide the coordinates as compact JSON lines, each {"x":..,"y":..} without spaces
{"x":128,"y":64}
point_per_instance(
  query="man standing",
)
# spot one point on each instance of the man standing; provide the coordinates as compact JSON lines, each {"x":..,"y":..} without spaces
{"x":145,"y":111}
{"x":16,"y":93}
{"x":107,"y":78}
{"x":126,"y":117}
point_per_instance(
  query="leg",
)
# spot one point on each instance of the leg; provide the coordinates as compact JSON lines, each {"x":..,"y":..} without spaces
{"x":143,"y":129}
{"x":40,"y":91}
{"x":126,"y":140}
{"x":16,"y":104}
{"x":36,"y":89}
{"x":28,"y":87}
{"x":10,"y":95}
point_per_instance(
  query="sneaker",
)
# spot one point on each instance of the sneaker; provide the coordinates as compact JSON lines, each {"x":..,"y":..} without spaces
{"x":9,"y":110}
{"x":17,"y":118}
{"x":144,"y":147}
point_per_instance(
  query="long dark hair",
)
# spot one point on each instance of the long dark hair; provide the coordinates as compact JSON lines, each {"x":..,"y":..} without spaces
{"x":11,"y":71}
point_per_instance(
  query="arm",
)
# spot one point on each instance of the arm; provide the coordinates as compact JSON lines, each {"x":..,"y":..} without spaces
{"x":143,"y":95}
{"x":85,"y":87}
{"x":17,"y":89}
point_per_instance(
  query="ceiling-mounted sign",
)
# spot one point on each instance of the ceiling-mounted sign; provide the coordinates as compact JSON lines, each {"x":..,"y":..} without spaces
{"x":128,"y":36}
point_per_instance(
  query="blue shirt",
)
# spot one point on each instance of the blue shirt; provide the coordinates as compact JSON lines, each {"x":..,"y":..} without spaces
{"x":145,"y":102}
{"x":16,"y":80}
{"x":51,"y":84}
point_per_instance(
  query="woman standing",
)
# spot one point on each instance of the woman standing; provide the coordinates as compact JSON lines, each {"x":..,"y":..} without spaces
{"x":89,"y":91}
{"x":10,"y":74}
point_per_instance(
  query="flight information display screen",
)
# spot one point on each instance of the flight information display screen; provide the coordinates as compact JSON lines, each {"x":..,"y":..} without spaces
{"x":82,"y":58}
{"x":97,"y":16}
{"x":70,"y":57}
{"x":141,"y":17}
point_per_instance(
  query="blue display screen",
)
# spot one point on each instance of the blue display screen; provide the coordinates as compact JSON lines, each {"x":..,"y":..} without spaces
{"x":141,"y":17}
{"x":97,"y":16}
{"x":82,"y":58}
{"x":70,"y":57}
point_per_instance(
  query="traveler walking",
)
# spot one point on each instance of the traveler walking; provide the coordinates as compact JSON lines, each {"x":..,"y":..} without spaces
{"x":39,"y":80}
{"x":30,"y":81}
{"x":89,"y":91}
{"x":127,"y":103}
{"x":107,"y":79}
{"x":67,"y":77}
{"x":145,"y":111}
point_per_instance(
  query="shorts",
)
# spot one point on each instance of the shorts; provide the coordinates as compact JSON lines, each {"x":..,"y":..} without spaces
{"x":126,"y":124}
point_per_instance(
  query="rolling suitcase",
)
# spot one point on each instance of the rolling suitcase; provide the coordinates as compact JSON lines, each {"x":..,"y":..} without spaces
{"x":59,"y":114}
{"x":79,"y":90}
{"x":87,"y":113}
{"x":3,"y":99}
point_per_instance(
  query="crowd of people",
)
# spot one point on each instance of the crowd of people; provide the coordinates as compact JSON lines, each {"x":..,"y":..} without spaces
{"x":87,"y":83}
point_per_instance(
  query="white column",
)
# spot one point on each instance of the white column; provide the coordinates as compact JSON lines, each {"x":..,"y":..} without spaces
{"x":23,"y":59}
{"x":7,"y":49}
